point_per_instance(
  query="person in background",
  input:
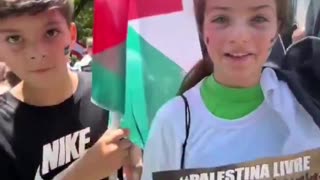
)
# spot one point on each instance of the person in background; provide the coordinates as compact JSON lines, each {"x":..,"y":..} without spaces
{"x":8,"y":78}
{"x":85,"y":63}
{"x":89,"y":45}
{"x":4,"y":85}
{"x":313,"y":19}
{"x":298,"y":34}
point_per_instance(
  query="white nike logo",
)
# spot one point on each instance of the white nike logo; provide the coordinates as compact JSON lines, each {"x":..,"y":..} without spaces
{"x":63,"y":151}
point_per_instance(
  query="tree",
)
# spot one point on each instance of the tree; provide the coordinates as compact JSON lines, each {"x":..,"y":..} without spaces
{"x":83,"y":16}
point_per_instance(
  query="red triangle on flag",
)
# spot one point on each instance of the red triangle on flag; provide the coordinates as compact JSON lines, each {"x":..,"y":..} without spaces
{"x":146,"y":8}
{"x":110,"y":24}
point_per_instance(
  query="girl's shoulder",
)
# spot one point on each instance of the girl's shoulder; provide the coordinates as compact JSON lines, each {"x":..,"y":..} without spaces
{"x":172,"y":113}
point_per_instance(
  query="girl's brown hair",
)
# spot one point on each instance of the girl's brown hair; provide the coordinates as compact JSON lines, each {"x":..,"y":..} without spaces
{"x":205,"y":67}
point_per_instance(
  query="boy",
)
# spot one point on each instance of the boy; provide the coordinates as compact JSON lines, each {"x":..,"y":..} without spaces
{"x":47,"y":121}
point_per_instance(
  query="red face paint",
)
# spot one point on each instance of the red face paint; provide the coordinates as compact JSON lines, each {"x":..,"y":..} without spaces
{"x":207,"y":40}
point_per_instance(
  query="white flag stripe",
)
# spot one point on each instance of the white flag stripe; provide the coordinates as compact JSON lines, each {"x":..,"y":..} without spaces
{"x":174,"y":34}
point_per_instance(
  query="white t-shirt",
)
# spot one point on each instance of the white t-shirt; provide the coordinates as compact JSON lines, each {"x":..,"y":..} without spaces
{"x":279,"y":126}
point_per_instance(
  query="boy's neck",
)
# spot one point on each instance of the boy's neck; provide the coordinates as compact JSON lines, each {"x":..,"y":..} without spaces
{"x":48,"y":96}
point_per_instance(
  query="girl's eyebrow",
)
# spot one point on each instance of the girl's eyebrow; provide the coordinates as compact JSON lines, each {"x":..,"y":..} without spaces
{"x":219,"y":8}
{"x":254,"y":8}
{"x":265,"y":6}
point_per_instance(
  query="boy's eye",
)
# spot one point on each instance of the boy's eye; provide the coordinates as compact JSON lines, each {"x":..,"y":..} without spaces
{"x":15,"y":39}
{"x":259,"y":19}
{"x":52,"y":33}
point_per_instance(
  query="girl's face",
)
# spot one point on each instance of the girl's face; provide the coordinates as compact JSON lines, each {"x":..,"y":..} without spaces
{"x":239,"y":36}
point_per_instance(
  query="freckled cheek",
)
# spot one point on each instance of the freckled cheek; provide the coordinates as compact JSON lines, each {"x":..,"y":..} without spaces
{"x":264,"y":42}
{"x":55,"y":49}
{"x":212,"y":35}
{"x":214,"y":42}
{"x":16,"y":63}
{"x":7,"y":54}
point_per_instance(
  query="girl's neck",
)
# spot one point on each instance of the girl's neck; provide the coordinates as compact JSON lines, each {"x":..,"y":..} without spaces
{"x":234,"y":81}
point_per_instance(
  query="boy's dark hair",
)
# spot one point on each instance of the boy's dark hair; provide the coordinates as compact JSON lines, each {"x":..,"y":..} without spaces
{"x":14,"y":8}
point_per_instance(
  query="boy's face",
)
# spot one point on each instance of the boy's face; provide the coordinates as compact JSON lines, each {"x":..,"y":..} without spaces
{"x":33,"y":46}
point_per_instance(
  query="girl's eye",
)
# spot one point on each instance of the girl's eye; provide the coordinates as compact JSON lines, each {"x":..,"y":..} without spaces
{"x":259,"y":19}
{"x":220,"y":20}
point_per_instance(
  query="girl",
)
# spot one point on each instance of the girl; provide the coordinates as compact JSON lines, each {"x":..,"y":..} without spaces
{"x":239,"y":111}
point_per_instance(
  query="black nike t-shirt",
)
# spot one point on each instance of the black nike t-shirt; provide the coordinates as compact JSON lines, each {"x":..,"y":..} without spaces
{"x":40,"y":142}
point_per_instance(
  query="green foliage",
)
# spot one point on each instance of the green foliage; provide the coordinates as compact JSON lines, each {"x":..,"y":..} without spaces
{"x":73,"y":60}
{"x":84,"y":19}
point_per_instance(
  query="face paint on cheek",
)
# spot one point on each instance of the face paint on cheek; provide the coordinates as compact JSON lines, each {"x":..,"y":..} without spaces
{"x":207,"y":40}
{"x":67,"y":50}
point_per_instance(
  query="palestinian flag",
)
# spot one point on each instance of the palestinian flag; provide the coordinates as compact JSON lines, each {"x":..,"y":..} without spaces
{"x":144,"y":67}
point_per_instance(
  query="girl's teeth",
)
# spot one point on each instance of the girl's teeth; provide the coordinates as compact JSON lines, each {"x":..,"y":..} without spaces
{"x":238,"y":55}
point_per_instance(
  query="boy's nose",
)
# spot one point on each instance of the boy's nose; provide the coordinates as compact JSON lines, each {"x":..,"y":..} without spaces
{"x":41,"y":57}
{"x":37,"y":51}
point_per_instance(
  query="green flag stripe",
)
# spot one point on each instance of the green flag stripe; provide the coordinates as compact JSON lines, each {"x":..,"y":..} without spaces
{"x":152,"y":79}
{"x":108,"y":79}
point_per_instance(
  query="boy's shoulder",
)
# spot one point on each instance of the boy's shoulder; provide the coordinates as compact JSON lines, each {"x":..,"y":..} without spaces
{"x":85,"y":81}
{"x":10,"y":106}
{"x":85,"y":76}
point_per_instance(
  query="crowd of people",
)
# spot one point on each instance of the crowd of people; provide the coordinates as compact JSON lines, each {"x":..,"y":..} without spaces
{"x":50,"y":129}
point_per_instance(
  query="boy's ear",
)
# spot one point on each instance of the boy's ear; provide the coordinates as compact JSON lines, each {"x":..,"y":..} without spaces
{"x":73,"y":33}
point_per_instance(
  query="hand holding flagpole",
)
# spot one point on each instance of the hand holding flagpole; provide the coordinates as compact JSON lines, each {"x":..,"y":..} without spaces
{"x":115,"y":120}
